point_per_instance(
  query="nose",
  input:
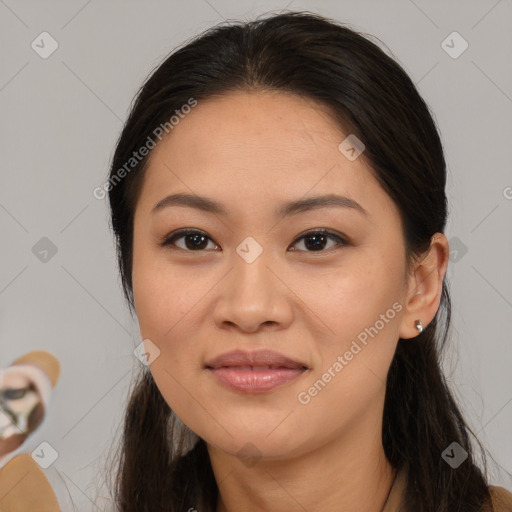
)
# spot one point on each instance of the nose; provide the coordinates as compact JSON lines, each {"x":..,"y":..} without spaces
{"x":253,"y":297}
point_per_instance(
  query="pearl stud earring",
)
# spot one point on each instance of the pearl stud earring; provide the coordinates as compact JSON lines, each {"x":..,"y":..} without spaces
{"x":419,"y":325}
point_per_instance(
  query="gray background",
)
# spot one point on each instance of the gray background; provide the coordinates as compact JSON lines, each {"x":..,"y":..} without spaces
{"x":60,"y":119}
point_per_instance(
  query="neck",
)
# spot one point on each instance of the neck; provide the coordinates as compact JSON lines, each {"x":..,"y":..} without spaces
{"x":349,"y":473}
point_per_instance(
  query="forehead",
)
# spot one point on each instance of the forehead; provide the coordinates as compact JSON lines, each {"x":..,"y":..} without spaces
{"x":274,"y":123}
{"x":256,"y":148}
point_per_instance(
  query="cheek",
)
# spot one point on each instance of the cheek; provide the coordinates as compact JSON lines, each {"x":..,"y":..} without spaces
{"x":360,"y":310}
{"x":169,"y":310}
{"x":165,"y":314}
{"x":351,"y":297}
{"x":161,"y":294}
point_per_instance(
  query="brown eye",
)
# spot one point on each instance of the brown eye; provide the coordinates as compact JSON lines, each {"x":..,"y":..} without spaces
{"x":316,"y":241}
{"x":194,"y":240}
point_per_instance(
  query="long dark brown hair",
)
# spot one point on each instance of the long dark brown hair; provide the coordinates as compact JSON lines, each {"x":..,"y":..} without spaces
{"x":371,"y":96}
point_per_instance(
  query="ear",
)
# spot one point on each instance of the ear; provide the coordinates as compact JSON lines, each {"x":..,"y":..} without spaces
{"x":425,"y":286}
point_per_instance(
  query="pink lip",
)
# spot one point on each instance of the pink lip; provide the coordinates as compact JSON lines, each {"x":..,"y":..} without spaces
{"x":255,"y":381}
{"x":236,"y":370}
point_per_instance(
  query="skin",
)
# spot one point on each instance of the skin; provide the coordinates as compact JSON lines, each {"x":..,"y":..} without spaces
{"x":253,"y":151}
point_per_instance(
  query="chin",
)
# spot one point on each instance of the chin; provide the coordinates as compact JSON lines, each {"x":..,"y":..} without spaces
{"x":255,"y":443}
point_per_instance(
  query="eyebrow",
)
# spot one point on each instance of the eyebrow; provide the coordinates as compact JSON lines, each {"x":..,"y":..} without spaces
{"x":285,"y":210}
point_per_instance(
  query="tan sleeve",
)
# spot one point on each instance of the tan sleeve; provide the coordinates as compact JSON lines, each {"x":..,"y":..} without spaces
{"x":501,"y":499}
{"x":25,"y":488}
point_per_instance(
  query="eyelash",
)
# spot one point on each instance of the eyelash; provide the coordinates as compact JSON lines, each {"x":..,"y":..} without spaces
{"x":168,"y":241}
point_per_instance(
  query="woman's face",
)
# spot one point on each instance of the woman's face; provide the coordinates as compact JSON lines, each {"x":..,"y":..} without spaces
{"x":258,"y":281}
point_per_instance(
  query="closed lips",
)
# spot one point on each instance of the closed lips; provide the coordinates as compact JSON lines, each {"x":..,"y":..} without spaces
{"x":261,"y":360}
{"x":254,"y":372}
{"x":256,"y":367}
